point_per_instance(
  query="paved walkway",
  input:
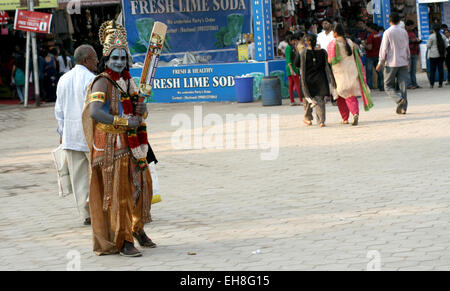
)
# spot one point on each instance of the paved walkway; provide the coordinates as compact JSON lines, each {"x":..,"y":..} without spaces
{"x":375,"y":196}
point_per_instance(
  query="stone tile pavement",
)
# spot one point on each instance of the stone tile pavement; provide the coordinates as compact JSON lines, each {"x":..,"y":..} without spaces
{"x":375,"y":196}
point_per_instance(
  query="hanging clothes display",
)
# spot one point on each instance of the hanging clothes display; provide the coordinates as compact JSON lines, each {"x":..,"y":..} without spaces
{"x":4,"y":17}
{"x":59,"y":22}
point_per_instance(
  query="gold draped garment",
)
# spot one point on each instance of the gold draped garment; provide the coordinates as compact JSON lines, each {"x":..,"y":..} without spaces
{"x":120,"y":195}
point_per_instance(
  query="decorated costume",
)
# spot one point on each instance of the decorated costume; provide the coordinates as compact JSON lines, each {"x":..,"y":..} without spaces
{"x":120,"y":181}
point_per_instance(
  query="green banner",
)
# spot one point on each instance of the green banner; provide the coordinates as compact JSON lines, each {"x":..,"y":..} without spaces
{"x":22,"y":4}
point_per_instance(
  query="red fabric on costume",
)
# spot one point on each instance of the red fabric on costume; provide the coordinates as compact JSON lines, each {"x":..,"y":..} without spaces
{"x":116,"y":76}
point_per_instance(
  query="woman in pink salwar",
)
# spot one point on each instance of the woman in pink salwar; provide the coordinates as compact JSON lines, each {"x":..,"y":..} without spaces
{"x":348,"y":71}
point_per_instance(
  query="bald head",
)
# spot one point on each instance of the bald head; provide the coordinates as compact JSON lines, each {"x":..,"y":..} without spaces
{"x":82,"y":52}
{"x":85,"y":55}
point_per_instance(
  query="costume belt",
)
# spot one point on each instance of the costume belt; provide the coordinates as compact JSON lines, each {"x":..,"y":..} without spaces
{"x":109,"y":128}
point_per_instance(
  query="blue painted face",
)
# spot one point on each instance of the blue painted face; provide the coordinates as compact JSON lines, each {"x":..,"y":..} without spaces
{"x":117,"y":60}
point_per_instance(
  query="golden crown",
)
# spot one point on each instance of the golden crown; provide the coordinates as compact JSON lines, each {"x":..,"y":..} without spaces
{"x":112,"y":35}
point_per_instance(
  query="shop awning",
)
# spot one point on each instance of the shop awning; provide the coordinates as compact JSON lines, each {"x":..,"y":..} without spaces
{"x":63,"y":3}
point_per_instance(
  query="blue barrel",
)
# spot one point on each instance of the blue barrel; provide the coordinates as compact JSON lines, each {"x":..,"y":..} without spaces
{"x":271,"y":91}
{"x":244,"y":89}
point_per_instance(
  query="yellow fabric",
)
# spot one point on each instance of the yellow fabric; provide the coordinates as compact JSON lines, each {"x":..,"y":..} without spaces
{"x":120,"y":121}
{"x":111,"y":128}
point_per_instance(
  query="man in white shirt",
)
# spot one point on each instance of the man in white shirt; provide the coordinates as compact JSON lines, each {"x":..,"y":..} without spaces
{"x":326,"y":35}
{"x":70,"y":94}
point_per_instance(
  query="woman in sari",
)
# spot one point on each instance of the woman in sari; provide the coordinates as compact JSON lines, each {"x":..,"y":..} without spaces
{"x":348,"y":71}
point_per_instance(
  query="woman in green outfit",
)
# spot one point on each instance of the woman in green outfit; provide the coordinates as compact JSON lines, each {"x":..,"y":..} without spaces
{"x":291,"y":70}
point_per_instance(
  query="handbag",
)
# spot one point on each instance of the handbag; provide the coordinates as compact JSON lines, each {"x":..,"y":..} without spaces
{"x":62,"y":171}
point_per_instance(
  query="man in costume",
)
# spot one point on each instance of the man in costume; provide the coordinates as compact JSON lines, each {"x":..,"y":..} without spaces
{"x":121,"y":186}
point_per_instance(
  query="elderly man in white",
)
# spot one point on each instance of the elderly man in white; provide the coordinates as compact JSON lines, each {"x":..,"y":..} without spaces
{"x":70,"y":94}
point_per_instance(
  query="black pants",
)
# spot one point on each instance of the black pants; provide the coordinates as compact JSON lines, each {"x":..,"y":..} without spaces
{"x":447,"y":62}
{"x":439,"y":64}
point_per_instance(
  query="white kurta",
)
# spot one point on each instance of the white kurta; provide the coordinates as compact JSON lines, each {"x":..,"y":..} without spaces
{"x":70,"y":93}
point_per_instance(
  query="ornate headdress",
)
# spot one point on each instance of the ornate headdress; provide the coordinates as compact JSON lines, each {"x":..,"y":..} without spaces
{"x":112,"y":35}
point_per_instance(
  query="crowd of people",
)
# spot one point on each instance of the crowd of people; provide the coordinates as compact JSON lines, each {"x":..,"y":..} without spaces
{"x":336,"y":66}
{"x":52,"y":64}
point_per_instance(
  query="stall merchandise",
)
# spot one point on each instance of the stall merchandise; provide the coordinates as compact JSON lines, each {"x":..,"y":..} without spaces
{"x":307,"y":15}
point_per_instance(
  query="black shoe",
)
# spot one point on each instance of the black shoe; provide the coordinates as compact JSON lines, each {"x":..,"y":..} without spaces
{"x":87,"y":221}
{"x":143,"y":240}
{"x":128,"y":250}
{"x":400,"y":105}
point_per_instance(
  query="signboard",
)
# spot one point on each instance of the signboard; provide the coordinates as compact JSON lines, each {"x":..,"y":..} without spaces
{"x":381,"y":12}
{"x":32,"y":21}
{"x":212,"y":82}
{"x":262,"y":24}
{"x":242,"y":52}
{"x":76,"y":3}
{"x":207,"y":28}
{"x":22,"y":4}
{"x":424,"y":21}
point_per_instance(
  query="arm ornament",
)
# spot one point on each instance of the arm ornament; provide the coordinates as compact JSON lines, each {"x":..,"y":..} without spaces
{"x":97,"y":96}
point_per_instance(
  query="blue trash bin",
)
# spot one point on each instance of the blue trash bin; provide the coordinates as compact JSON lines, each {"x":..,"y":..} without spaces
{"x":271,"y":91}
{"x":244,"y":89}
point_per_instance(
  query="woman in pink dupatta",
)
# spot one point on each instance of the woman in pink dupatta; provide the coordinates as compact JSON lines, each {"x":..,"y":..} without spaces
{"x":349,"y":75}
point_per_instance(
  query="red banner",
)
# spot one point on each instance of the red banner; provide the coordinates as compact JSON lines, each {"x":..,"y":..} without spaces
{"x":32,"y":21}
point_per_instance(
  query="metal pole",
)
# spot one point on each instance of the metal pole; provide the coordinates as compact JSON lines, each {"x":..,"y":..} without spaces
{"x":35,"y":63}
{"x":27,"y":69}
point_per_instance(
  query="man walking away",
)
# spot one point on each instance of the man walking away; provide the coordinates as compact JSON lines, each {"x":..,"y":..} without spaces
{"x":70,"y":92}
{"x":394,"y":56}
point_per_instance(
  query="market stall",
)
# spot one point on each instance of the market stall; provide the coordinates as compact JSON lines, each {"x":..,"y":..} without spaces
{"x":428,"y":13}
{"x":200,"y":59}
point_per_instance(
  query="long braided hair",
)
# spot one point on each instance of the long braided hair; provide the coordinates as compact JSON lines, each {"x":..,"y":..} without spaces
{"x":440,"y":40}
{"x":339,"y":30}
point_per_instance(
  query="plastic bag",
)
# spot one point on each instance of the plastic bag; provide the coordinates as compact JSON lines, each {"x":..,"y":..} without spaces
{"x":155,"y":183}
{"x":62,"y":170}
